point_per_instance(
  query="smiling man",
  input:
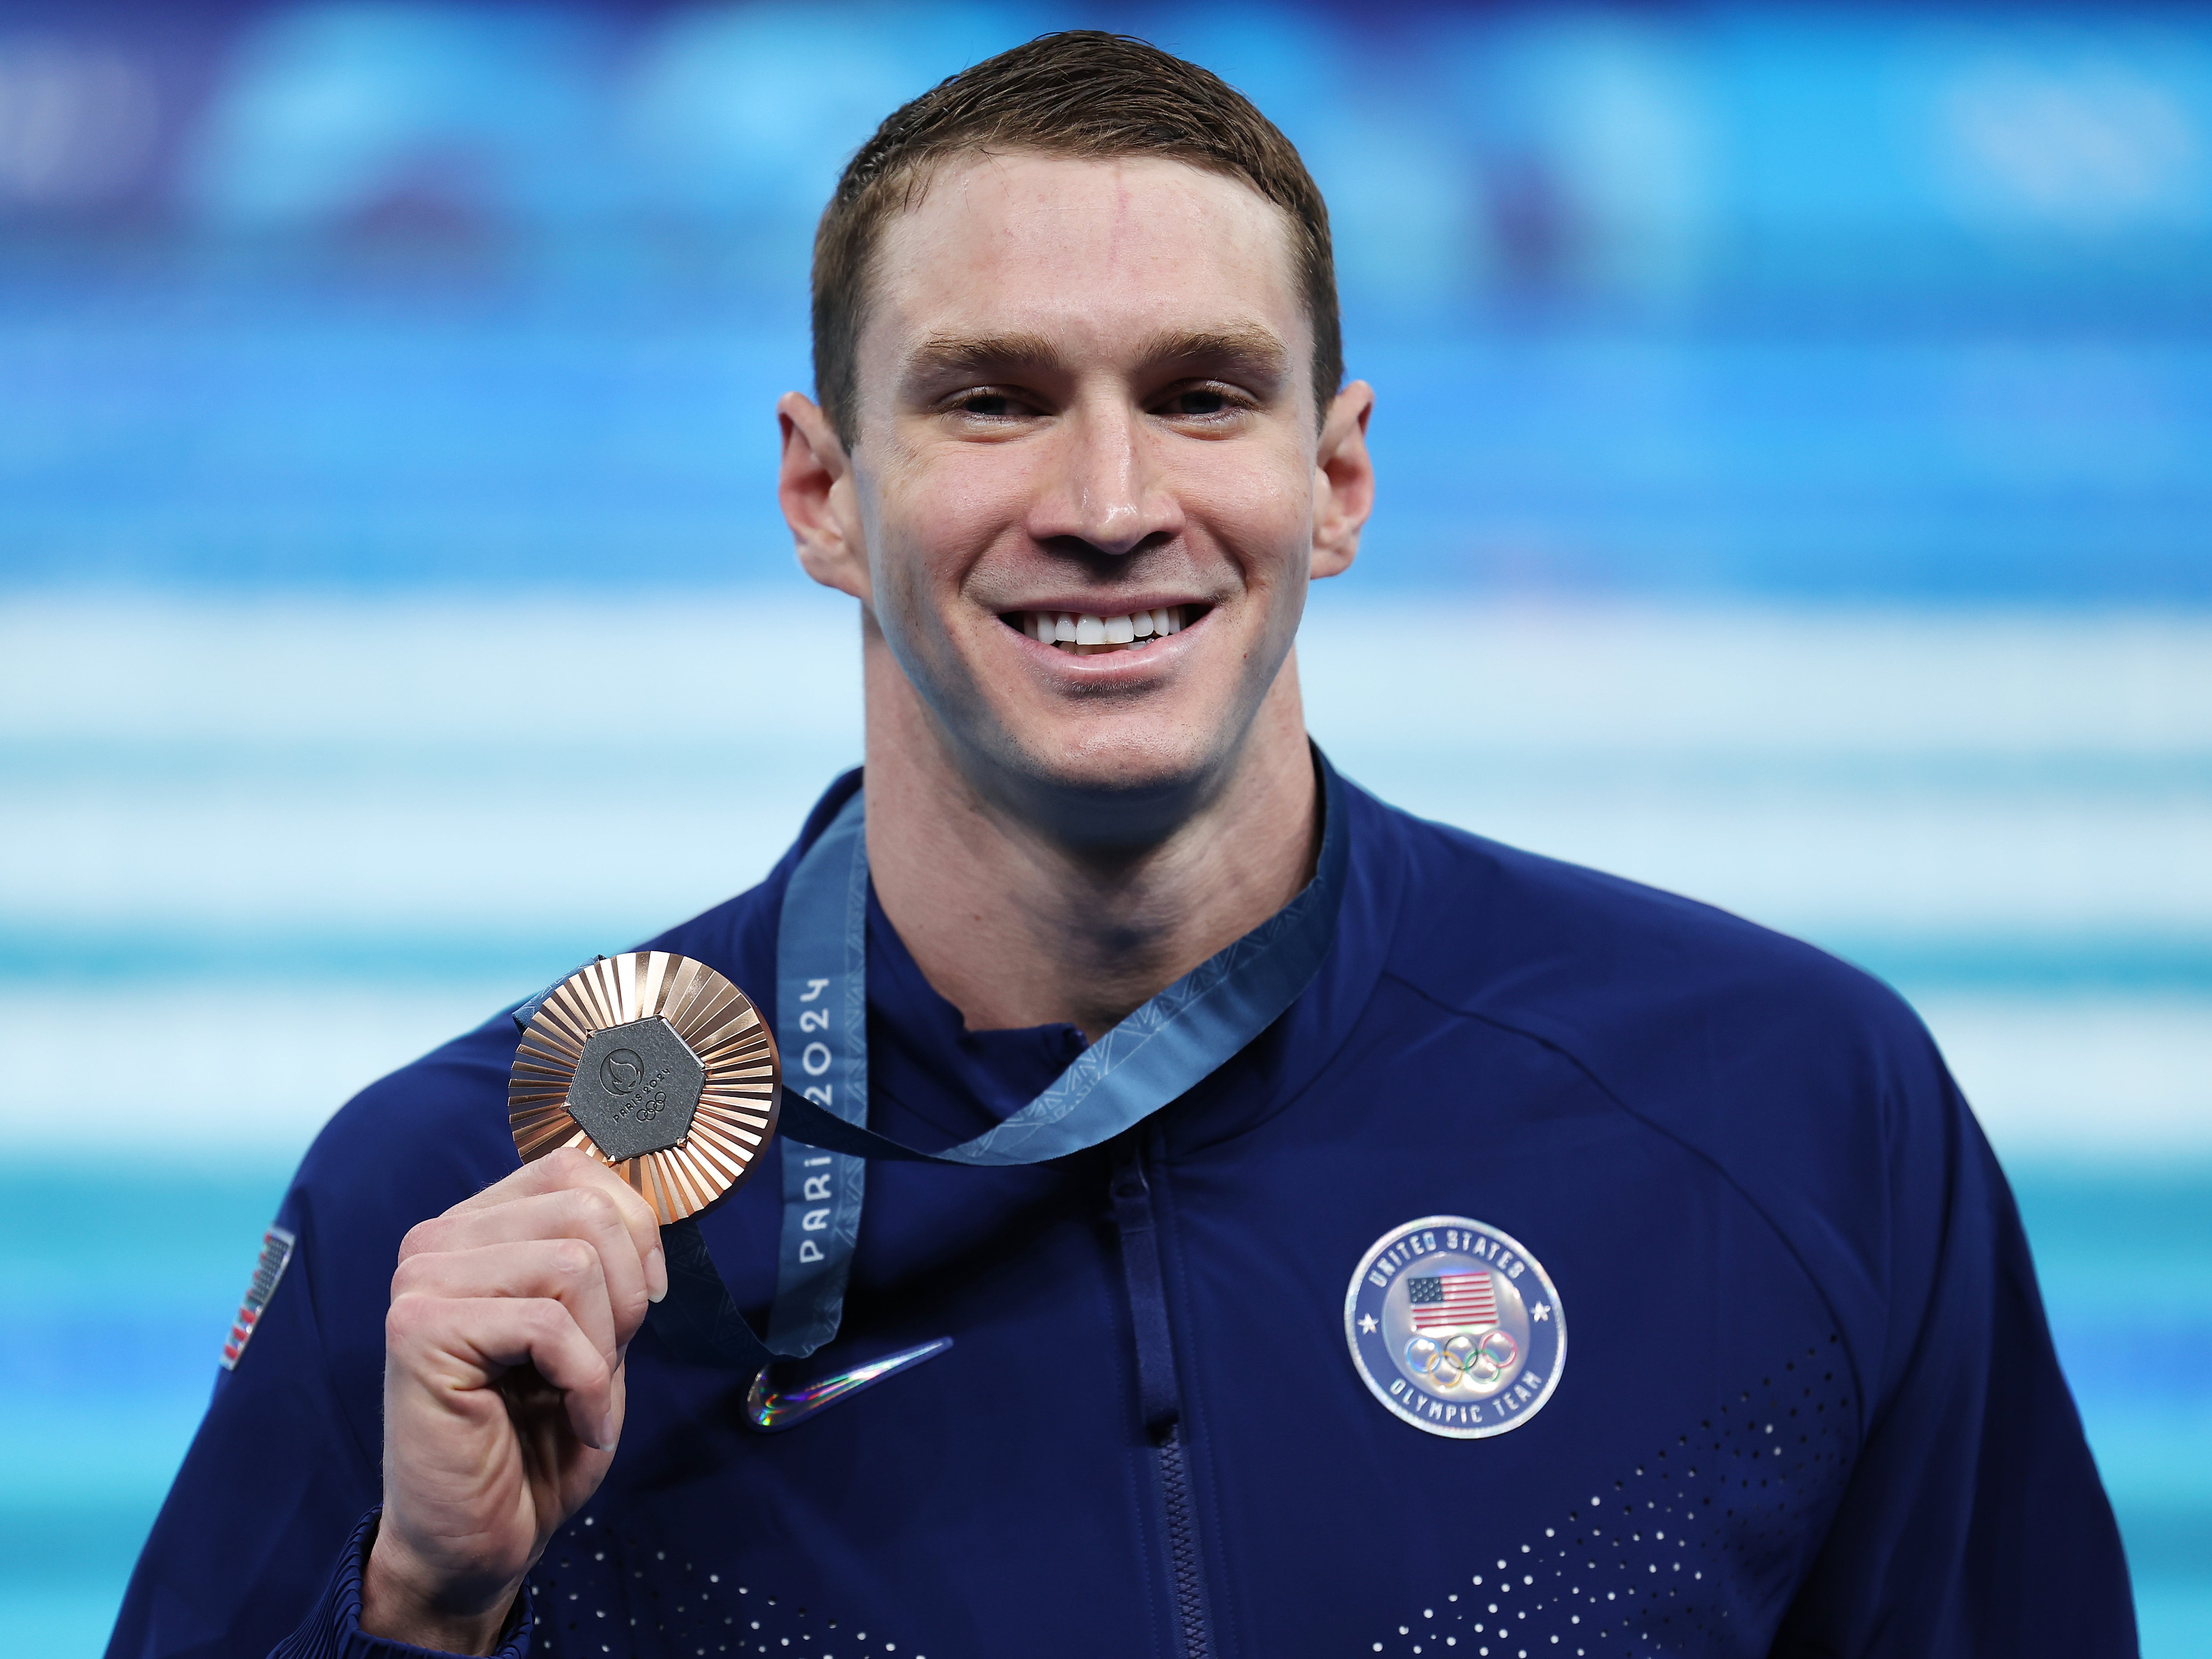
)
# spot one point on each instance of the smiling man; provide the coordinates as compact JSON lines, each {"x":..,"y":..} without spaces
{"x":1245,"y":1151}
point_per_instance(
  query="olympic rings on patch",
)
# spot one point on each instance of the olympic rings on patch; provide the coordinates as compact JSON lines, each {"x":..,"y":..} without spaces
{"x":1478,"y":1361}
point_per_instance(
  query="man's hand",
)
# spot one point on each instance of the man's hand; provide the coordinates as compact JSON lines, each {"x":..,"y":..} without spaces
{"x":503,"y":1390}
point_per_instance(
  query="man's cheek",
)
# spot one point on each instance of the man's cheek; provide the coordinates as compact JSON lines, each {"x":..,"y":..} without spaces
{"x":1261,"y":517}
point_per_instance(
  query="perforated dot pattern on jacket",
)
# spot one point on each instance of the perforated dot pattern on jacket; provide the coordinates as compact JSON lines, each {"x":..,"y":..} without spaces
{"x":1659,"y":1559}
{"x":594,"y":1594}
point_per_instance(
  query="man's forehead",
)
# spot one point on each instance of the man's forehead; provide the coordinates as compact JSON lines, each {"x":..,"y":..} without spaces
{"x":1151,"y":255}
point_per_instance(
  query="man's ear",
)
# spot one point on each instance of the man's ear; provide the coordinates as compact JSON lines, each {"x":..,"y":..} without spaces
{"x":1344,"y":480}
{"x":815,"y":485}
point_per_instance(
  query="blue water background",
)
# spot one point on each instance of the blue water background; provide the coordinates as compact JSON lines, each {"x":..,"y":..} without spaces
{"x":1778,"y":316}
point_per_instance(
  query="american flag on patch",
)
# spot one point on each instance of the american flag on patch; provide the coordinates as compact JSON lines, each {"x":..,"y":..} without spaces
{"x":1453,"y":1301}
{"x":277,"y":1246}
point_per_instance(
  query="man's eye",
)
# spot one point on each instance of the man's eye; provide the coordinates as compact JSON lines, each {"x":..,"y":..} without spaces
{"x":1198,"y":401}
{"x":987,"y":406}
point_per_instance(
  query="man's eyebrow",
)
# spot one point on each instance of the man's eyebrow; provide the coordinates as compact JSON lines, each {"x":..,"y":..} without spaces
{"x":1258,"y":351}
{"x":965,"y":353}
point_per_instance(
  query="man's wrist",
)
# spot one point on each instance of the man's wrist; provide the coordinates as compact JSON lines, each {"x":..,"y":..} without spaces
{"x":401,"y":1601}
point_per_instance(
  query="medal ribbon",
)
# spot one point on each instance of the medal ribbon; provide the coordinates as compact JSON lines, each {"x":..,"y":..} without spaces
{"x":1154,"y":1056}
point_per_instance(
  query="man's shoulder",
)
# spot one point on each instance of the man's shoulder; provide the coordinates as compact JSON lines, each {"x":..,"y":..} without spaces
{"x":1480,"y":905}
{"x":421,"y":1137}
{"x":1687,"y":1013}
{"x":1802,"y":1083}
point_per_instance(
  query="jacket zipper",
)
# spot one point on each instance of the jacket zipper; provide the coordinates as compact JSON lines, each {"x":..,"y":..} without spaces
{"x":1159,"y":1396}
{"x":1182,"y":1549}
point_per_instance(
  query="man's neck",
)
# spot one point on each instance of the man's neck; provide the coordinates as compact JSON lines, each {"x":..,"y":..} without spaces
{"x":1015,"y":926}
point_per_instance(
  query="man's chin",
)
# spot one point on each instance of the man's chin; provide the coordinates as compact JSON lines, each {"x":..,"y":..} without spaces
{"x":1121,"y":786}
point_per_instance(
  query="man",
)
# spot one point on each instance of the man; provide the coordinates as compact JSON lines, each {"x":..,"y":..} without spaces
{"x":1282,"y":1366}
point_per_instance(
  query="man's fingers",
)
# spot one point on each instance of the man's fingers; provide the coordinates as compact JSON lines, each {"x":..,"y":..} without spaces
{"x":569,"y":1270}
{"x":570,"y":1169}
{"x":588,"y":1215}
{"x":440,"y":1342}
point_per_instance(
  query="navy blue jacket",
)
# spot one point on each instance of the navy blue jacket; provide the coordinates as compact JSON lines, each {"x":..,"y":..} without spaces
{"x":1810,"y":1405}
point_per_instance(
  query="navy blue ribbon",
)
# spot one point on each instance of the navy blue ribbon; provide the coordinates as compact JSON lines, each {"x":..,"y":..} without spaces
{"x":1152,"y":1058}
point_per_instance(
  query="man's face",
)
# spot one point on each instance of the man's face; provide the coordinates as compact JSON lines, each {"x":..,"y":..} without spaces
{"x":1085,"y":405}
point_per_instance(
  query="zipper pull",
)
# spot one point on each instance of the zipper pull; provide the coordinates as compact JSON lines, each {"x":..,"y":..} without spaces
{"x":1159,"y":1400}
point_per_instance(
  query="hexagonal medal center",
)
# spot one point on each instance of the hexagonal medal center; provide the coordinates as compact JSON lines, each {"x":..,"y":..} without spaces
{"x":636,"y":1088}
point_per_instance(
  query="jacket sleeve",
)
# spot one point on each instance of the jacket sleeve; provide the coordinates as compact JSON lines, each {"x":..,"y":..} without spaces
{"x":333,"y":1629}
{"x":274,"y":1480}
{"x":1974,"y":1523}
{"x":288,"y":1460}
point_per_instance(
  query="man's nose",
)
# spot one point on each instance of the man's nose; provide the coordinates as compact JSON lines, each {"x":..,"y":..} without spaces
{"x":1103,"y":488}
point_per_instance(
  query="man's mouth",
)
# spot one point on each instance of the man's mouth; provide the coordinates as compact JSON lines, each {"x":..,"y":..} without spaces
{"x":1083,"y":634}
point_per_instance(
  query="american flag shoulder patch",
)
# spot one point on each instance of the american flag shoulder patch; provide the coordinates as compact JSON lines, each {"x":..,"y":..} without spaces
{"x":276,"y":1247}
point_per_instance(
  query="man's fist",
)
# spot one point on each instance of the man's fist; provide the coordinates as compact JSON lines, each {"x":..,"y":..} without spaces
{"x":503,"y":1390}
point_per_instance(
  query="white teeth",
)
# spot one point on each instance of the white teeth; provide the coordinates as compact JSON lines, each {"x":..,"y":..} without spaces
{"x":1135,"y":630}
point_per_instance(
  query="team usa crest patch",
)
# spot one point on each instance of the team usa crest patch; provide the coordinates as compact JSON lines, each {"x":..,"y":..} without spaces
{"x":275,"y":1255}
{"x":1456,"y":1328}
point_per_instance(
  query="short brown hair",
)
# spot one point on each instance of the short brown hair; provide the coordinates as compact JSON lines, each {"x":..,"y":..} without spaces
{"x":1081,"y":92}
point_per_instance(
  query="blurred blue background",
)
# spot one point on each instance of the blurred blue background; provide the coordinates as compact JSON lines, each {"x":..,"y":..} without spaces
{"x":1795,"y":428}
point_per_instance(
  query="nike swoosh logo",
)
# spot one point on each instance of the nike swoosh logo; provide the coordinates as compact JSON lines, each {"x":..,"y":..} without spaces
{"x":773,"y":1410}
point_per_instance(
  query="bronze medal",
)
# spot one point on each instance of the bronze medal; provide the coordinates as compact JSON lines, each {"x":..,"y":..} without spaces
{"x":657,"y":1065}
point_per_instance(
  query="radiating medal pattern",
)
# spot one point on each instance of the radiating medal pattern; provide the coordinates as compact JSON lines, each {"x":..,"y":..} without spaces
{"x":659,"y":1066}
